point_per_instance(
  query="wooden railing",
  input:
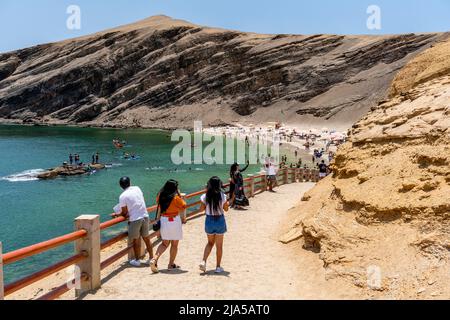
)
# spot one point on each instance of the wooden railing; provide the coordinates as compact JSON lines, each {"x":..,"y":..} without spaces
{"x":88,"y":247}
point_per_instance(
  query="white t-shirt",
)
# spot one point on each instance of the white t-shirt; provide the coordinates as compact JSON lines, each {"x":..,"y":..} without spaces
{"x":208,"y":209}
{"x":133,"y":199}
{"x":271,"y":170}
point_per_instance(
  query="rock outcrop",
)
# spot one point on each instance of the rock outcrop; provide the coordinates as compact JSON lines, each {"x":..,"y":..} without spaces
{"x":166,"y":73}
{"x":382,"y":220}
{"x":69,"y":170}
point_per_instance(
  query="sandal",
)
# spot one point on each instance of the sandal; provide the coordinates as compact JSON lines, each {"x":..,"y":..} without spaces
{"x":154,"y":266}
{"x":174,"y":266}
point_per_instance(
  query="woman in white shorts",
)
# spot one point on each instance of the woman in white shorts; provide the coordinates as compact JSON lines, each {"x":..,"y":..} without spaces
{"x":170,"y":206}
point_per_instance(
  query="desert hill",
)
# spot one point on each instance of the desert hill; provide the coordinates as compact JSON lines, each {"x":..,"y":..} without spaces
{"x":165,"y":73}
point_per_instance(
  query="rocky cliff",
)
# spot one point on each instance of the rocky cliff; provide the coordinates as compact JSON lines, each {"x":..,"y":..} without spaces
{"x":385,"y":211}
{"x":166,"y":73}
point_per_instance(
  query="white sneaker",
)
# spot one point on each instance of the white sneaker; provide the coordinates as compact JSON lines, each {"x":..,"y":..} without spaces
{"x":135,"y":263}
{"x":202,"y":266}
{"x":219,"y":270}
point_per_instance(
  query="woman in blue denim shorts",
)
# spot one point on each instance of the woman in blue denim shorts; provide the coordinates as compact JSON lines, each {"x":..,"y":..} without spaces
{"x":214,"y":202}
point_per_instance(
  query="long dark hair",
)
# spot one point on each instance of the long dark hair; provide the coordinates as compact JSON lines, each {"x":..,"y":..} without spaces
{"x":214,"y":195}
{"x":233,"y":169}
{"x":166,"y":195}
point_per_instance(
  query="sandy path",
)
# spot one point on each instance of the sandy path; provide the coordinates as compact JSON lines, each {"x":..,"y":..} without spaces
{"x":257,"y":265}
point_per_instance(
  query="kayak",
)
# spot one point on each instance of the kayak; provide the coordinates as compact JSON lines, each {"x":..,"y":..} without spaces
{"x":118,"y":145}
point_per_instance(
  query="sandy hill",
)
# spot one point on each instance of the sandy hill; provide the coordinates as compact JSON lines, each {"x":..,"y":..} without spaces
{"x":387,"y":205}
{"x":161,"y":72}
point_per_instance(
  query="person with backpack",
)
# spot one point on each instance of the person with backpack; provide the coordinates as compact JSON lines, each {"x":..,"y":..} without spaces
{"x":170,"y":207}
{"x":215,"y":204}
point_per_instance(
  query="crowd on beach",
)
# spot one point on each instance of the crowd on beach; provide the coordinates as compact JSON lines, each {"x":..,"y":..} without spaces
{"x":316,"y":144}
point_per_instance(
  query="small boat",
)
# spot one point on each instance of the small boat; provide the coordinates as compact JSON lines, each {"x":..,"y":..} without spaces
{"x":119,"y":144}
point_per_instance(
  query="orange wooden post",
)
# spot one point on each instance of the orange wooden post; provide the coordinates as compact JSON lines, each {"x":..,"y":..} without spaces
{"x":316,"y":176}
{"x":252,"y":186}
{"x":286,"y":176}
{"x":89,"y":244}
{"x":300,"y":175}
{"x":264,"y":183}
{"x":294,"y":175}
{"x":2,"y":285}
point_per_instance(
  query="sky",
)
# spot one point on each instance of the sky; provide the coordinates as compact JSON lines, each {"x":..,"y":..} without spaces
{"x":24,"y":23}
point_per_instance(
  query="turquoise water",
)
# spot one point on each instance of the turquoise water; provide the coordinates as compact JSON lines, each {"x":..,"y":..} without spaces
{"x":34,"y":211}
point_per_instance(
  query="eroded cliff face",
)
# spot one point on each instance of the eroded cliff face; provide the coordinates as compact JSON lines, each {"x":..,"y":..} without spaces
{"x":165,"y":73}
{"x":387,"y":205}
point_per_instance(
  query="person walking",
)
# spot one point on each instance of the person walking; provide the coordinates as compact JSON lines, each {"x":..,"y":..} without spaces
{"x":170,"y":207}
{"x":215,"y":204}
{"x":132,"y":206}
{"x":97,"y":157}
{"x":70,"y":159}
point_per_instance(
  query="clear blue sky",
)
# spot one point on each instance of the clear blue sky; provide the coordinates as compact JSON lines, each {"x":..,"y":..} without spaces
{"x":29,"y":22}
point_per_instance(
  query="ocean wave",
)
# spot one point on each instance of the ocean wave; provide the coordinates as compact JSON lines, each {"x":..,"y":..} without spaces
{"x":24,"y":176}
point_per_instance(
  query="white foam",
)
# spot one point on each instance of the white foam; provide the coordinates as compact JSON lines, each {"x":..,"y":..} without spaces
{"x":112,"y":165}
{"x":24,"y":176}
